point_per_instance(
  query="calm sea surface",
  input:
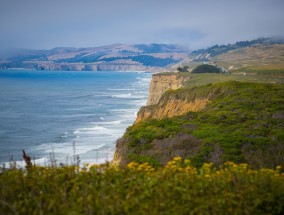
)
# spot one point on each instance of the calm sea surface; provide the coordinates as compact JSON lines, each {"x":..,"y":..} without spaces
{"x":50,"y":111}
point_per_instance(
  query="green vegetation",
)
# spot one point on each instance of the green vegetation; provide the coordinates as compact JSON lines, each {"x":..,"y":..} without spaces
{"x":248,"y":74}
{"x":206,"y":68}
{"x":145,"y":132}
{"x":242,"y":123}
{"x":178,"y":188}
{"x":268,"y":71}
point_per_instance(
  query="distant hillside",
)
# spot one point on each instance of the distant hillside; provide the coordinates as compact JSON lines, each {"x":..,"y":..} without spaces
{"x":205,"y":54}
{"x":260,"y":55}
{"x":260,"y":58}
{"x":112,"y":57}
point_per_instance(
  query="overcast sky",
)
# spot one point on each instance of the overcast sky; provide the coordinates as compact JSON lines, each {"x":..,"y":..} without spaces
{"x":45,"y":24}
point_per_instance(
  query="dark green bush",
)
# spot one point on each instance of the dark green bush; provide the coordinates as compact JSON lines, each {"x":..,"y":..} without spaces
{"x":206,"y":68}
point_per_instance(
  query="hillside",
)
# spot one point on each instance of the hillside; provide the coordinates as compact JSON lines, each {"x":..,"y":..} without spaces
{"x":139,"y":57}
{"x":269,"y":57}
{"x":231,"y":121}
{"x":264,"y":54}
{"x":208,"y":53}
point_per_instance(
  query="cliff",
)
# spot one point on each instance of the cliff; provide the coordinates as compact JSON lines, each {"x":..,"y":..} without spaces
{"x":161,"y":83}
{"x":171,"y":106}
{"x":231,"y":121}
{"x":166,"y":100}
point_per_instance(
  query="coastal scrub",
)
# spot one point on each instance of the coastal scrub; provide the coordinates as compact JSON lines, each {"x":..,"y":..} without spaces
{"x":177,"y":188}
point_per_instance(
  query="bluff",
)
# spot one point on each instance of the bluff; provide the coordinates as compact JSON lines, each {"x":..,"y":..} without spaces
{"x":160,"y":83}
{"x":230,"y":121}
{"x":173,"y":104}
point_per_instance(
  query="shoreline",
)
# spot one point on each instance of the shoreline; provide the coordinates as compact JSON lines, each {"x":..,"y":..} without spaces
{"x":127,"y":71}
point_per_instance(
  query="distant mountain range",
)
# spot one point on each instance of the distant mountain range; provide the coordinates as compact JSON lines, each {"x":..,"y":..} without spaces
{"x":137,"y":57}
{"x":116,"y":57}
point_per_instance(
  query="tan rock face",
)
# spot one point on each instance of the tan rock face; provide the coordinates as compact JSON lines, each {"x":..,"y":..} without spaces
{"x":171,"y":108}
{"x":161,"y":83}
{"x":159,"y":107}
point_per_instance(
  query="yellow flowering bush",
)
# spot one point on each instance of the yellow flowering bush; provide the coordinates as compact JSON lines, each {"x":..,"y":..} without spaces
{"x":177,"y":188}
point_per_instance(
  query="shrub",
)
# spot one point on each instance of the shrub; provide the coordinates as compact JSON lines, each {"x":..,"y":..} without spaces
{"x":206,"y":68}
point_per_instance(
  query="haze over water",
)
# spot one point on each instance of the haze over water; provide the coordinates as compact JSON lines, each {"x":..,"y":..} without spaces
{"x":46,"y":111}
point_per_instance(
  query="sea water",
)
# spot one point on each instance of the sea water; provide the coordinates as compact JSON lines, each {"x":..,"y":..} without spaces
{"x":59,"y":114}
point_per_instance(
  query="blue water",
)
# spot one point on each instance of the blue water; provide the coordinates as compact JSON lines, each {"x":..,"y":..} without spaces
{"x":48,"y":112}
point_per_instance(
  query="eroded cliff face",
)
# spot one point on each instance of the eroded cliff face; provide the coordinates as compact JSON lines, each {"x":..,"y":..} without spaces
{"x":172,"y":107}
{"x":166,"y":105}
{"x":161,"y":83}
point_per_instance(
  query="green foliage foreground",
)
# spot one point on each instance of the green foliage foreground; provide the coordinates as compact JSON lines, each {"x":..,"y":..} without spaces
{"x":177,"y":188}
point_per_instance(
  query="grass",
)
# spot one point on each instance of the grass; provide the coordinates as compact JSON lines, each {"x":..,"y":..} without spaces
{"x":254,"y":74}
{"x":178,"y":188}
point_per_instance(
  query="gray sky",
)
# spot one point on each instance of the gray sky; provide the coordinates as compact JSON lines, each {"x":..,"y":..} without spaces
{"x":44,"y":24}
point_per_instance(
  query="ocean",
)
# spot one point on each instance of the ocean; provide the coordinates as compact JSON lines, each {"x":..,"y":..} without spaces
{"x":65,"y":113}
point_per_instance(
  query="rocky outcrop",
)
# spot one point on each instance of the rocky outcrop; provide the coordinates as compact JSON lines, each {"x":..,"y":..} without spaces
{"x":120,"y":154}
{"x":161,"y":83}
{"x":145,"y":112}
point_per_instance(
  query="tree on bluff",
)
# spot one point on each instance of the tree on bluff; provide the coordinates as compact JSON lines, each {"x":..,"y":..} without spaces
{"x":206,"y":68}
{"x":183,"y":69}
